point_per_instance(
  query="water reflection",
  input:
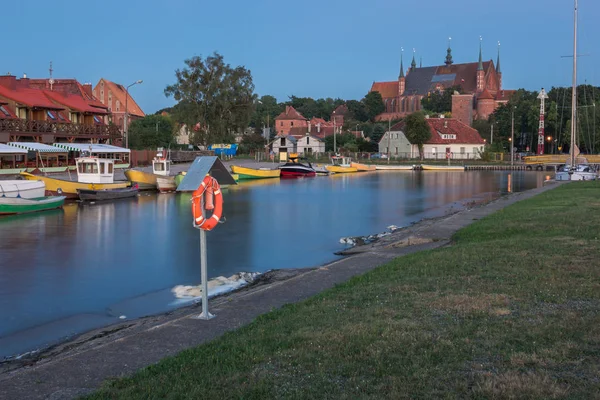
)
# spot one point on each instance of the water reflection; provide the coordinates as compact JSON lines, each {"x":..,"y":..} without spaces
{"x":100,"y":260}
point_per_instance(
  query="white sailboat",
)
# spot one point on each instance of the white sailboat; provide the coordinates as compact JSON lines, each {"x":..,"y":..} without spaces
{"x":577,"y":168}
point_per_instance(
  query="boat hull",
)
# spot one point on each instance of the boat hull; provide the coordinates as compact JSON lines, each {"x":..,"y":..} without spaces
{"x":15,"y":205}
{"x":22,"y":188}
{"x":60,"y":187}
{"x":337,"y":169}
{"x":363,"y":167}
{"x":297,"y":170}
{"x":166,"y":184}
{"x":253,"y":173}
{"x":442,"y":168}
{"x":110,"y":194}
{"x":394,"y":167}
{"x":145,"y":180}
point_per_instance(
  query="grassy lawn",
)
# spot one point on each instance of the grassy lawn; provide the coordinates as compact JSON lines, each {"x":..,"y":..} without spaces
{"x":511,"y":310}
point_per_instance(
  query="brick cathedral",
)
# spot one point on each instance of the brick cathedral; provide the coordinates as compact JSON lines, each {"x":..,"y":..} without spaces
{"x":480,"y":83}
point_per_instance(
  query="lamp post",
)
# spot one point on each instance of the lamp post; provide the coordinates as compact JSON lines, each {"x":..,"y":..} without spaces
{"x":389,"y":137}
{"x":512,"y":138}
{"x":126,"y":121}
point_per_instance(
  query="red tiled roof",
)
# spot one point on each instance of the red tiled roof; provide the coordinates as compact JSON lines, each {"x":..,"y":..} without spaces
{"x":504,"y":95}
{"x":464,"y":133}
{"x":290,"y":113}
{"x":386,"y":89}
{"x":450,"y":126}
{"x":77,"y":103}
{"x":485,"y":95}
{"x":316,"y":120}
{"x":29,"y":97}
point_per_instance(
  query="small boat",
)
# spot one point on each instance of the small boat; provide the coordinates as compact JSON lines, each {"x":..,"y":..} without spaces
{"x":19,"y":205}
{"x":22,"y":188}
{"x":161,"y":166}
{"x":363,"y":167}
{"x":321,"y":169}
{"x":295,"y":169}
{"x":92,"y":173}
{"x":581,"y":172}
{"x":255,"y":173}
{"x":341,"y":165}
{"x":107,"y":194}
{"x":394,"y":167}
{"x":443,"y":167}
{"x":166,"y":184}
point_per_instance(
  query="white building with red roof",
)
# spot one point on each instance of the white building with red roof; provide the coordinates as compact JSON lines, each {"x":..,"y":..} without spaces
{"x":448,"y":136}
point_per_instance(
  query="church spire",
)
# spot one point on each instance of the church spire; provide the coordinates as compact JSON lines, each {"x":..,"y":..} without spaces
{"x":401,"y":65}
{"x":498,"y":61}
{"x":480,"y":65}
{"x":413,"y":64}
{"x":449,"y":61}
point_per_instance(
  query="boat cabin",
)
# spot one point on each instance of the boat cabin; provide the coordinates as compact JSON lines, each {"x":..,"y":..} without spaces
{"x":160,"y":164}
{"x":340,"y":161}
{"x":95,"y":170}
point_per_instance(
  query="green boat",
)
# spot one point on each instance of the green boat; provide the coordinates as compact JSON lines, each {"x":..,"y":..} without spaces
{"x":19,"y":205}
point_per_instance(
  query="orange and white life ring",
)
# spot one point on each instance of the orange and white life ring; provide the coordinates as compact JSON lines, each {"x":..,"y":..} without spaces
{"x":213,"y":200}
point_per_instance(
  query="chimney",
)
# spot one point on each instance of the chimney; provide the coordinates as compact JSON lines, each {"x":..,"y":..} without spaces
{"x":427,"y":116}
{"x":442,"y":116}
{"x":87,"y":88}
{"x":24,"y":76}
{"x":445,"y":124}
{"x":8,"y":81}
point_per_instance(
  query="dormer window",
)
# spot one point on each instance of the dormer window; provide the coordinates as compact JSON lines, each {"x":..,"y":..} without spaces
{"x":4,"y":111}
{"x":61,"y":117}
{"x":51,"y":115}
{"x":447,"y":136}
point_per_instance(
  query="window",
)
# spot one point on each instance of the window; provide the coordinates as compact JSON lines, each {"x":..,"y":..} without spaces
{"x":462,"y":150}
{"x":98,"y":119}
{"x":61,"y":117}
{"x":281,"y":123}
{"x":22,"y":113}
{"x":310,"y":150}
{"x":88,"y":168}
{"x":433,"y":150}
{"x":396,"y":151}
{"x":102,"y":168}
{"x":118,"y":105}
{"x":102,"y":96}
{"x":292,"y":123}
{"x":474,"y":150}
{"x":4,"y":111}
{"x":282,"y":142}
{"x":51,"y":115}
{"x":307,"y":140}
{"x":110,"y":168}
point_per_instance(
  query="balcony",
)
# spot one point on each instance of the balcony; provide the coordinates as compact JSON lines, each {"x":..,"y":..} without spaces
{"x":10,"y":129}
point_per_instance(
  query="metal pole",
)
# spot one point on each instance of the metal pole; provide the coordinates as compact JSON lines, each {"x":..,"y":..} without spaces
{"x":126,"y":116}
{"x":334,"y":141}
{"x":512,"y":138}
{"x":574,"y":92}
{"x":204,"y":271}
{"x":389,"y":137}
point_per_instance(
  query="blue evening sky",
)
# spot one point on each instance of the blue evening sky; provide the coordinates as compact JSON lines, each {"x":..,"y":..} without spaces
{"x":326,"y":48}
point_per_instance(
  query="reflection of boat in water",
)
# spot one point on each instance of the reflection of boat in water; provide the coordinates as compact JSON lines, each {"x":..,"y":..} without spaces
{"x":295,"y":169}
{"x":22,"y":188}
{"x":442,"y":167}
{"x":341,"y":165}
{"x":255,"y":173}
{"x":92,"y":173}
{"x":363,"y":167}
{"x":18,"y":205}
{"x":161,"y":167}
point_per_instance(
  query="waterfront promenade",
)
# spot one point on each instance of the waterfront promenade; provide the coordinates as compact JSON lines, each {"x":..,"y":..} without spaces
{"x":82,"y":368}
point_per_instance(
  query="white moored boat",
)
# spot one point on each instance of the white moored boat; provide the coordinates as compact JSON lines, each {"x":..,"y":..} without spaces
{"x":22,"y":188}
{"x":394,"y":167}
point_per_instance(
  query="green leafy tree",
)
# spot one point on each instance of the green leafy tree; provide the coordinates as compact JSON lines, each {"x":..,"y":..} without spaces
{"x":439,"y":102}
{"x":151,"y":132}
{"x":253,"y":142}
{"x":265,"y":111}
{"x":218,"y":98}
{"x":417,"y":130}
{"x":374,"y":104}
{"x":378,"y":132}
{"x":358,"y":110}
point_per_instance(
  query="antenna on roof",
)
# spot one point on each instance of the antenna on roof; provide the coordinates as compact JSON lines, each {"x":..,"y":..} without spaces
{"x":51,"y":81}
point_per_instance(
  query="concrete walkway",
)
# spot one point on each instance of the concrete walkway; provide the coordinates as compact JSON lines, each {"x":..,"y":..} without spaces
{"x":80,"y":370}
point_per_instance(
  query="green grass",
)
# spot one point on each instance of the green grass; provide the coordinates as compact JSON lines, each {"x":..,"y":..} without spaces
{"x":511,"y":310}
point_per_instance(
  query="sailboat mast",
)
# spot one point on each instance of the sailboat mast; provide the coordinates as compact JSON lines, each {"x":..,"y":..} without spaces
{"x":574,"y":92}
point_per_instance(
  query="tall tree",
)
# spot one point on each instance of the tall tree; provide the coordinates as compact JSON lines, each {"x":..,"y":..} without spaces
{"x":358,"y":110}
{"x":440,"y":101}
{"x":217,"y":97}
{"x":417,"y":130}
{"x":374,"y":104}
{"x":151,"y":132}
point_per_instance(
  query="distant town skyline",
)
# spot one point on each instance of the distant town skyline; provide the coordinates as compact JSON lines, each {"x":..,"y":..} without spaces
{"x":316,"y":49}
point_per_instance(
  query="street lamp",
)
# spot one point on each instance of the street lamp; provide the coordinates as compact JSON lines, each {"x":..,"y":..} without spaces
{"x":512,"y":137}
{"x":126,"y":121}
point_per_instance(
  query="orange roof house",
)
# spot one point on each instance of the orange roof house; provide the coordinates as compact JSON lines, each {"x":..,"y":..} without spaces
{"x":288,"y":119}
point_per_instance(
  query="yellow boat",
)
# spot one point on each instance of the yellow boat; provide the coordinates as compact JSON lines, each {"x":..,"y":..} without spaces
{"x":341,"y":165}
{"x":92,"y":173}
{"x":145,"y":180}
{"x":363,"y":167}
{"x":442,"y":167}
{"x":255,"y":173}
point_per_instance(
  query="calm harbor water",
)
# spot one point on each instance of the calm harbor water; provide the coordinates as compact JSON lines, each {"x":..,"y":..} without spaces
{"x":67,"y":271}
